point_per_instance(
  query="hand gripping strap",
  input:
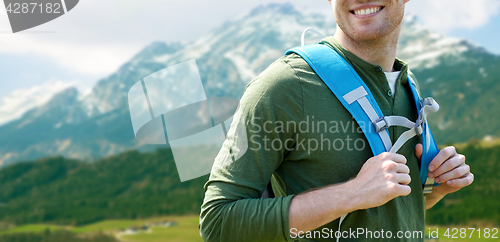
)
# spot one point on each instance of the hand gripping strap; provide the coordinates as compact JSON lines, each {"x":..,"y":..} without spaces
{"x":344,"y":82}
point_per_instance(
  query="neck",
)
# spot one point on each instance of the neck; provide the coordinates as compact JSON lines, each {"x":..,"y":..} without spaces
{"x":380,"y":52}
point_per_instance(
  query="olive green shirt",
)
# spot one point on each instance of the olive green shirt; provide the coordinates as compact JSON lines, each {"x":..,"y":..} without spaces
{"x":301,"y":137}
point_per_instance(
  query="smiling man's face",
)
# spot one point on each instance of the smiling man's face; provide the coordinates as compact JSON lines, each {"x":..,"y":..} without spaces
{"x":368,"y":20}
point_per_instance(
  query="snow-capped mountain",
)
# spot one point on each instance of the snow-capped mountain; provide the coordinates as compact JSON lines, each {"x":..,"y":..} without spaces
{"x":462,"y":76}
{"x":228,"y":58}
{"x":424,"y":49}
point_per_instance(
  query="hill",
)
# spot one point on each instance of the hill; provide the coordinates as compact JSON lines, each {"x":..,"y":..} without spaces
{"x":135,"y":185}
{"x":70,"y":192}
{"x":479,"y":203}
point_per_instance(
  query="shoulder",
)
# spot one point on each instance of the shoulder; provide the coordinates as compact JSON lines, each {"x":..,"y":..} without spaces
{"x":281,"y":79}
{"x":283,"y":73}
{"x":277,"y":87}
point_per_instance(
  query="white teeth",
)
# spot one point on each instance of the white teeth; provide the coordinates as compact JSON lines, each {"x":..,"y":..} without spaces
{"x":367,"y":11}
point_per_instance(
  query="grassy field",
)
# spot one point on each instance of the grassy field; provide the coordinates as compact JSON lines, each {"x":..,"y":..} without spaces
{"x":34,"y":228}
{"x":186,"y":230}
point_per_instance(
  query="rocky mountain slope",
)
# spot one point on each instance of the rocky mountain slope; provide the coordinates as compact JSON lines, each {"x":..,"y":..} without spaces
{"x":461,"y":76}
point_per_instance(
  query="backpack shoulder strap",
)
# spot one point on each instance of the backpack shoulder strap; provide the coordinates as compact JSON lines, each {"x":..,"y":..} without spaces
{"x":355,"y":96}
{"x":428,"y":142}
{"x":349,"y":89}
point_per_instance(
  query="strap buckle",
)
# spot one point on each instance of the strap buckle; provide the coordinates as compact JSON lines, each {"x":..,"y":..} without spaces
{"x":428,"y":186}
{"x":419,"y":129}
{"x":421,"y":118}
{"x":380,"y":125}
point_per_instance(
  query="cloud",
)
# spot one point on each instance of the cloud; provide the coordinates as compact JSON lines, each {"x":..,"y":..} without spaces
{"x":446,"y":15}
{"x":15,"y":104}
{"x":96,"y":37}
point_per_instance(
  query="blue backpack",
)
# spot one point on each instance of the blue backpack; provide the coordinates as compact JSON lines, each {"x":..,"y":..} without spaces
{"x":353,"y":93}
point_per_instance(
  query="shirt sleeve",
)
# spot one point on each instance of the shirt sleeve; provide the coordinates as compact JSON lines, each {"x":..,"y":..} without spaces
{"x":256,"y":145}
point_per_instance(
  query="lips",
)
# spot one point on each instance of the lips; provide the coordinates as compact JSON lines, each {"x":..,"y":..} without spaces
{"x":367,"y":10}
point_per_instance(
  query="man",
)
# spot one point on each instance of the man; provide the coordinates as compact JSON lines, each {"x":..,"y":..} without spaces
{"x":303,"y":139}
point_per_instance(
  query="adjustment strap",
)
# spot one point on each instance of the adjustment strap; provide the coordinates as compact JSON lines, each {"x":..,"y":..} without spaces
{"x":388,"y":121}
{"x":417,"y":128}
{"x":359,"y":95}
{"x":429,"y":106}
{"x":405,"y":137}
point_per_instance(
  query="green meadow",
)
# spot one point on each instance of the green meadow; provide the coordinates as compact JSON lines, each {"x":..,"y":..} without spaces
{"x":186,"y":230}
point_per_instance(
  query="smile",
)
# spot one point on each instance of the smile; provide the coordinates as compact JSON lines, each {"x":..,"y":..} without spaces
{"x":367,"y":11}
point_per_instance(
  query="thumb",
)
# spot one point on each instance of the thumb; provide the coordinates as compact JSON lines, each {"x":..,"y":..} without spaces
{"x":418,"y":150}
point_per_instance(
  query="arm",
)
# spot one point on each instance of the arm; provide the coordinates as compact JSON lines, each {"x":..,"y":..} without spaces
{"x":381,"y":178}
{"x":233,"y":209}
{"x":449,"y":169}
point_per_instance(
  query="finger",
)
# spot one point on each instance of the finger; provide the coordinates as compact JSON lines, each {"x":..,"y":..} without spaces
{"x":448,"y":165}
{"x":396,"y":158}
{"x":404,"y":190}
{"x":456,"y":173}
{"x":419,"y":148}
{"x":441,"y":157}
{"x":401,"y":168}
{"x":403,"y":179}
{"x":461,"y":182}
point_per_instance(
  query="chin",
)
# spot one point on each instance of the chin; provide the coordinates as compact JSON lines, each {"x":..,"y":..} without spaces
{"x":371,"y":32}
{"x":368,"y":35}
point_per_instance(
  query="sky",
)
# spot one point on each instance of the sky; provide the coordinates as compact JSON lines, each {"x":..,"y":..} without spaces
{"x":91,"y":41}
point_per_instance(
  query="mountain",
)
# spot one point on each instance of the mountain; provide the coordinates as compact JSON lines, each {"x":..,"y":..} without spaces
{"x":460,"y":75}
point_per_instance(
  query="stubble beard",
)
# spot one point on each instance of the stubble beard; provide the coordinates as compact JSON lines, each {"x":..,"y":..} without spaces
{"x":387,"y":32}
